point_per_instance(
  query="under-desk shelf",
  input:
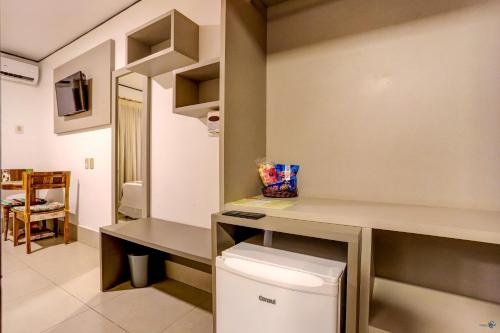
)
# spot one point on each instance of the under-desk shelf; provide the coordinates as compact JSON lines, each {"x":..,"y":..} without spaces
{"x":176,"y":238}
{"x":466,"y":224}
{"x":400,"y":307}
{"x":162,"y":45}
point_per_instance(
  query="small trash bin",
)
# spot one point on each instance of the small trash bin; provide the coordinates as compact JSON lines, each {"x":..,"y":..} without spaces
{"x":138,"y":269}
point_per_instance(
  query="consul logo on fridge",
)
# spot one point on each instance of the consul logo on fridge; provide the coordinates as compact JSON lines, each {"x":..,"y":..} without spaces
{"x":267,"y":300}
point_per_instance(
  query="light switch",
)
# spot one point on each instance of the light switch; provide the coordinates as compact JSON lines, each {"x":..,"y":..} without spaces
{"x":89,"y":163}
{"x":19,"y":129}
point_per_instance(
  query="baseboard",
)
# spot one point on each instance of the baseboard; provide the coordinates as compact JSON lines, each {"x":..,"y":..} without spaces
{"x":84,"y":235}
{"x":188,"y":275}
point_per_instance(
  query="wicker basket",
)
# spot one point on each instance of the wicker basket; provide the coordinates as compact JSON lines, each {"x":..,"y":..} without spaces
{"x":281,"y":190}
{"x":279,"y":194}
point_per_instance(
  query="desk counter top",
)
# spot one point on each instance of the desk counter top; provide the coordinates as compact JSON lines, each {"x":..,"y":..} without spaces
{"x":466,"y":224}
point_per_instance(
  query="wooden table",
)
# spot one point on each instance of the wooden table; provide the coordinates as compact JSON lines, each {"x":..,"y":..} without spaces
{"x":9,"y":185}
{"x":12,"y":185}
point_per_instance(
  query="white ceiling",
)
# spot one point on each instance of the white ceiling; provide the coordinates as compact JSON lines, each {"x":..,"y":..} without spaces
{"x":35,"y":28}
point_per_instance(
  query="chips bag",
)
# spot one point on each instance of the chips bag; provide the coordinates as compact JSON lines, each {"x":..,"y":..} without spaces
{"x":267,"y":173}
{"x":287,"y":172}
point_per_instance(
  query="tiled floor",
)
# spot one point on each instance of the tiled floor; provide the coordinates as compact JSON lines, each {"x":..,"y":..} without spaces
{"x":56,"y":289}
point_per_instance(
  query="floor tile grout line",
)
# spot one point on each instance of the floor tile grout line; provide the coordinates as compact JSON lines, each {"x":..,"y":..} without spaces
{"x":179,"y":319}
{"x":71,"y":316}
{"x":109,"y":319}
{"x":56,"y":284}
{"x":35,"y":291}
{"x":84,"y":306}
{"x":31,"y":292}
{"x":65,"y":319}
{"x":104,"y":301}
{"x":89,"y":307}
{"x":195,"y":307}
{"x":41,"y":273}
{"x":20,"y":256}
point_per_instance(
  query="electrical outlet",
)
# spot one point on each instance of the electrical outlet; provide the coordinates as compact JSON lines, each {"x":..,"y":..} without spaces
{"x":86,"y":163}
{"x":19,"y":129}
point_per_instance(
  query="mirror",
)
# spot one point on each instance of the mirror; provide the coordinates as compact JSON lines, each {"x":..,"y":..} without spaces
{"x":130,"y":146}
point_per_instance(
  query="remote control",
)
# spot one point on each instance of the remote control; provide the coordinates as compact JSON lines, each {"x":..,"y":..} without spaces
{"x":244,"y":215}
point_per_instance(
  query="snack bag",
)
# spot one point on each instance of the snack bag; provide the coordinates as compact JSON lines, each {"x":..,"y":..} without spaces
{"x":287,"y":172}
{"x":267,"y":173}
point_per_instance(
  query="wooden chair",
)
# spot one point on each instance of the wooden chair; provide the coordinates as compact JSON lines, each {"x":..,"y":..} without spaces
{"x":52,"y":210}
{"x":9,"y":175}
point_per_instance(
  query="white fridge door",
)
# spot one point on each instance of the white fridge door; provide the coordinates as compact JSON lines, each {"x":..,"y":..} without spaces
{"x":245,"y":305}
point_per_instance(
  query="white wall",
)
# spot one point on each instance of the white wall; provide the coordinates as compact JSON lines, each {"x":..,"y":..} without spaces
{"x":17,"y":108}
{"x":91,"y":189}
{"x":387,"y":100}
{"x":185,"y":164}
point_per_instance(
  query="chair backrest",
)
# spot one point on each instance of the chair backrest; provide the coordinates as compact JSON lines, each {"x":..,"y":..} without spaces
{"x":12,"y":174}
{"x":33,"y":181}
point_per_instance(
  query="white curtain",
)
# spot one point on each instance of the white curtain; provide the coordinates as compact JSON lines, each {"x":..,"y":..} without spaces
{"x":129,"y":140}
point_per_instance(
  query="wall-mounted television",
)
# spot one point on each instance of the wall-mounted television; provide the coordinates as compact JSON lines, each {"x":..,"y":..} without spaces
{"x":72,"y":95}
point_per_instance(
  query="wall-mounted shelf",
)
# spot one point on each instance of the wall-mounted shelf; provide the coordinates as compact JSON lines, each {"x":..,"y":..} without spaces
{"x":162,"y":45}
{"x":198,"y":110}
{"x":196,"y":89}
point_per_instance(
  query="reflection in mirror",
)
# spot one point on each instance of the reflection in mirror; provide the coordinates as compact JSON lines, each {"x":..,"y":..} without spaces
{"x":130,"y":137}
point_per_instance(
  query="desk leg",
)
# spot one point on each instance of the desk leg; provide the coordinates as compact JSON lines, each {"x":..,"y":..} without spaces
{"x":114,"y":266}
{"x":352,"y":287}
{"x":366,"y":280}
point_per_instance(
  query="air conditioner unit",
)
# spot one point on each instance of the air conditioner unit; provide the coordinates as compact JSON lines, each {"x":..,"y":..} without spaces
{"x":18,"y":69}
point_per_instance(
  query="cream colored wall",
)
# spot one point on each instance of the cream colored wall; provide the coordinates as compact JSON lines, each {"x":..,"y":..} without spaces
{"x":91,"y":189}
{"x":184,"y":159}
{"x":394,"y":101}
{"x":130,"y":93}
{"x":184,"y":163}
{"x":16,"y":110}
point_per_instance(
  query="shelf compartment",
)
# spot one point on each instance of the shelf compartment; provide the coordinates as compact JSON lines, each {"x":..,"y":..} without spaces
{"x":198,"y":110}
{"x":162,"y":45}
{"x":400,"y":307}
{"x":196,"y":90}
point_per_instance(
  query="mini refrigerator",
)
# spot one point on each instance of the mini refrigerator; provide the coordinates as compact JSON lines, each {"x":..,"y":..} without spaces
{"x":266,"y":290}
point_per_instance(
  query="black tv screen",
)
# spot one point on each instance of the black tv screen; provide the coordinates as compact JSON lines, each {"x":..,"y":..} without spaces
{"x":72,"y":95}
